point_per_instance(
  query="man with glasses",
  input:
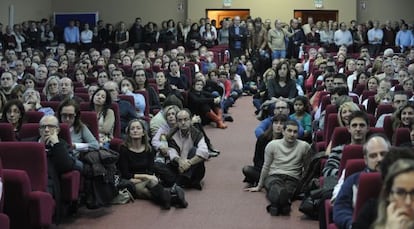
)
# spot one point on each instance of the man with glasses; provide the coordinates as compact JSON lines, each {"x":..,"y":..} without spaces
{"x":59,"y":159}
{"x":187,"y":151}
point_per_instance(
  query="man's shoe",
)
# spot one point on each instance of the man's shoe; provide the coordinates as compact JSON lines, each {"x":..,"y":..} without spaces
{"x":285,"y":210}
{"x":273,"y":211}
{"x":197,"y":186}
{"x":178,"y":197}
{"x":228,"y":118}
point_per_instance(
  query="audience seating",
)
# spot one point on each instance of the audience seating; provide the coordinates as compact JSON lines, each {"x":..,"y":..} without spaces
{"x":402,"y":136}
{"x":52,"y":104}
{"x":369,"y":187}
{"x":31,"y":130}
{"x":85,"y":106}
{"x":90,"y":119}
{"x":81,"y":90}
{"x":26,"y":202}
{"x":82,"y":95}
{"x":7,"y":133}
{"x":33,"y":116}
{"x":366,"y":94}
{"x":388,"y":129}
{"x":70,"y":181}
{"x":384,"y":109}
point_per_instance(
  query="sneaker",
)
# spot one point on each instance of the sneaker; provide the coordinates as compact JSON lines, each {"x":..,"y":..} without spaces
{"x":212,"y":154}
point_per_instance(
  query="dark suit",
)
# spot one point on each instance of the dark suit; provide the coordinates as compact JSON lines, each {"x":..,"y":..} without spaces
{"x":295,"y":41}
{"x":237,"y":49}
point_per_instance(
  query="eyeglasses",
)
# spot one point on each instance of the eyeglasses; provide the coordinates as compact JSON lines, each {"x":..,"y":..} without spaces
{"x":280,"y":108}
{"x":140,"y":75}
{"x":49,"y":126}
{"x":401,"y":194}
{"x":67,"y":116}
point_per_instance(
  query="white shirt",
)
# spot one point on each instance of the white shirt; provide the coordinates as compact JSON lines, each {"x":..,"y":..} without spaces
{"x":86,"y":36}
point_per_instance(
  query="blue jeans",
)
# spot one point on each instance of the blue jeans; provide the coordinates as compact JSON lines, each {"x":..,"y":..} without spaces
{"x":277,"y":54}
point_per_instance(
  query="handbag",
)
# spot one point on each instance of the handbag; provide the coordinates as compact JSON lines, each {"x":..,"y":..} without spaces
{"x":108,"y":156}
{"x":123,"y":197}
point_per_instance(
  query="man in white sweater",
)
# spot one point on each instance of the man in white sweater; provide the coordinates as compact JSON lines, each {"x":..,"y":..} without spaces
{"x":285,"y":160}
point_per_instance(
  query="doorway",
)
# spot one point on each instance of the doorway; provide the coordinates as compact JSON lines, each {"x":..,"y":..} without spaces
{"x":317,"y":15}
{"x":220,"y":14}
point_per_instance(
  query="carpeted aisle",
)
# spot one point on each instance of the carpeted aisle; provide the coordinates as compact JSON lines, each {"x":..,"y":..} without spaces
{"x":222,"y":204}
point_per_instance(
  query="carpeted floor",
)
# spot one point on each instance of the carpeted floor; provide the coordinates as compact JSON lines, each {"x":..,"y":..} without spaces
{"x":222,"y":204}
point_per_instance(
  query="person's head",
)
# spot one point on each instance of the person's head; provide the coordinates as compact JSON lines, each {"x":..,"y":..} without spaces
{"x":397,"y":196}
{"x":344,"y":113}
{"x":399,"y":99}
{"x":358,"y":127}
{"x":13,"y":113}
{"x":91,"y":90}
{"x":372,"y":83}
{"x":388,"y":67}
{"x":48,"y":125}
{"x":135,"y":131}
{"x":160,"y":79}
{"x":127,"y":84}
{"x":336,"y":93}
{"x":405,"y":114}
{"x":281,"y":107}
{"x":103,"y":77}
{"x":80,"y":76}
{"x":198,"y":85}
{"x":140,"y":78}
{"x":17,"y":92}
{"x":328,"y":82}
{"x":282,"y":71}
{"x":374,"y":149}
{"x":301,"y":104}
{"x":290,"y":131}
{"x":170,"y":113}
{"x":172,"y":100}
{"x":31,"y":96}
{"x":184,"y":121}
{"x":6,"y":80}
{"x":66,"y":86}
{"x":339,"y":80}
{"x":275,"y":131}
{"x":112,"y":88}
{"x":384,"y":86}
{"x":408,"y":84}
{"x":101,"y":98}
{"x":362,"y":78}
{"x":51,"y":87}
{"x":69,"y":112}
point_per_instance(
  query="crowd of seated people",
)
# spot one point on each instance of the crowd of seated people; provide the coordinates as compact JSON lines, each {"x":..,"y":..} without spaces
{"x":124,"y":75}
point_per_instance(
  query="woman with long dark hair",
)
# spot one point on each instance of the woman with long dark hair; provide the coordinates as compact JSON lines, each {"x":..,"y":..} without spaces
{"x":136,"y":165}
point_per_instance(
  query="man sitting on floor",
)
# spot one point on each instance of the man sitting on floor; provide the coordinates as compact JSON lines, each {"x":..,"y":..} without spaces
{"x":285,"y":160}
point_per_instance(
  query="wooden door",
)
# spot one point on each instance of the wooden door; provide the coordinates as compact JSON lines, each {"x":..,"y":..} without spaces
{"x":317,"y":15}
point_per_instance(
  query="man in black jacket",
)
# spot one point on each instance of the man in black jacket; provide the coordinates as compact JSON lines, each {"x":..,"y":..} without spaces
{"x":237,"y":39}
